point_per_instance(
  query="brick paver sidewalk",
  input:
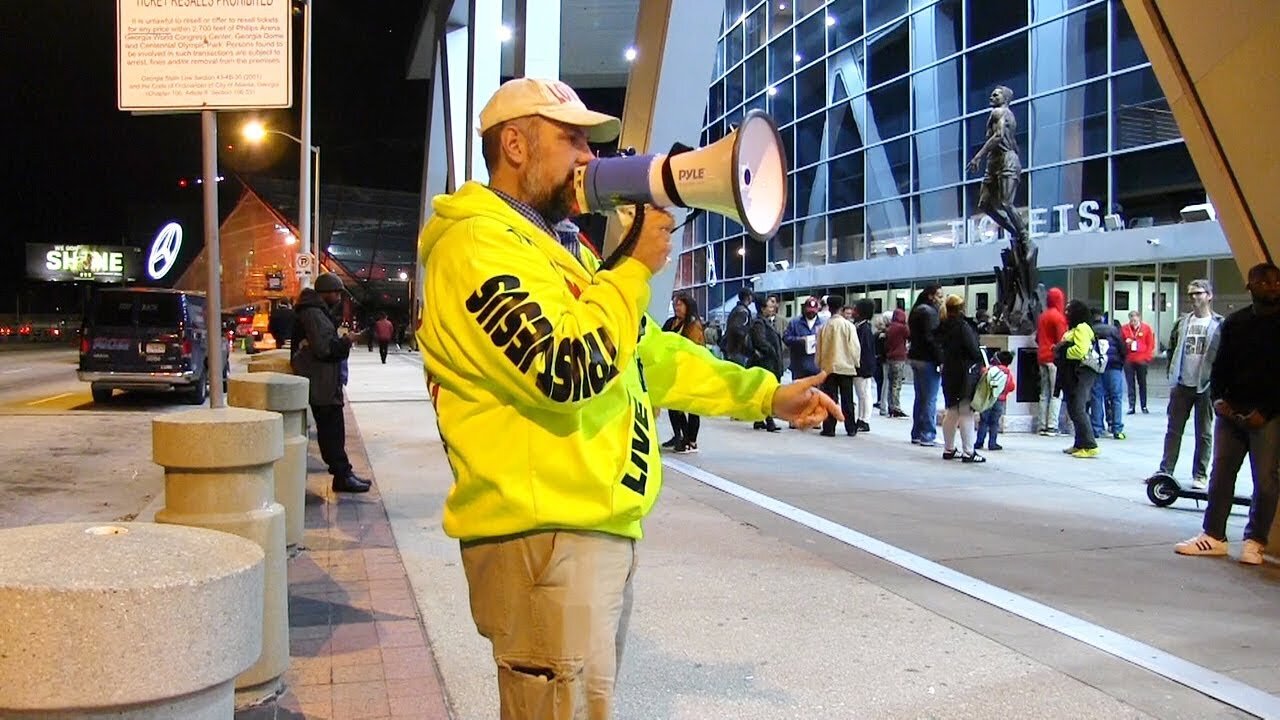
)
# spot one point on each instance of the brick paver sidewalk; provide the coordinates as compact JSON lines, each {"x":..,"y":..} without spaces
{"x":356,"y":639}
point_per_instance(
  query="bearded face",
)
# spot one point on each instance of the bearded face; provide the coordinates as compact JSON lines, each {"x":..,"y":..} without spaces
{"x":547,"y":181}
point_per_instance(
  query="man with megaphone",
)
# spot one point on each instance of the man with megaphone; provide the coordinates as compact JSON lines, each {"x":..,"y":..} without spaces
{"x":544,"y":371}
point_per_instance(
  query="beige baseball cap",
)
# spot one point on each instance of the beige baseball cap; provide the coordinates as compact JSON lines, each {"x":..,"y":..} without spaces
{"x":550,"y":99}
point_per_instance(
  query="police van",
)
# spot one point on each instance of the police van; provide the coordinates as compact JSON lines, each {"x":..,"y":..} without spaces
{"x":148,"y":339}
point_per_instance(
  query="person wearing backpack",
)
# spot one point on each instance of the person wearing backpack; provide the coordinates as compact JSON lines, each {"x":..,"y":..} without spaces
{"x":1106,"y":411}
{"x":989,"y":419}
{"x":1076,"y":353}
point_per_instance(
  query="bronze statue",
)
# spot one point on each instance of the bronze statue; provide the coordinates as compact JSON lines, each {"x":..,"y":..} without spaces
{"x":1017,"y":301}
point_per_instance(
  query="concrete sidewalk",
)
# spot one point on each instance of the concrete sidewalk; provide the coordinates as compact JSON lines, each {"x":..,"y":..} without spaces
{"x":735,"y":622}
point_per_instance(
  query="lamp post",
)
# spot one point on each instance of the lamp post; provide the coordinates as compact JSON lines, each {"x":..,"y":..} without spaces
{"x":254,"y":132}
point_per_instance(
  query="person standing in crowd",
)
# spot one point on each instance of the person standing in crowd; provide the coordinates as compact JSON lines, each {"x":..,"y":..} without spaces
{"x":989,"y":419}
{"x":766,"y":350}
{"x":383,"y":332}
{"x":802,"y":339}
{"x":880,"y":323}
{"x":962,"y":365}
{"x":1106,"y":411}
{"x":319,"y":353}
{"x":1140,"y":347}
{"x":863,"y":311}
{"x":556,"y":351}
{"x":839,"y":355}
{"x":734,"y":341}
{"x":684,"y":321}
{"x":1050,"y":328}
{"x":1246,"y":398}
{"x":280,"y":324}
{"x":780,"y":325}
{"x":1193,"y":345}
{"x":896,"y":336}
{"x":1076,"y":378}
{"x":925,"y":356}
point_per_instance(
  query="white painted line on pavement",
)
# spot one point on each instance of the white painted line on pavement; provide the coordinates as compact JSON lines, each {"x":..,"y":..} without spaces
{"x":50,"y":399}
{"x":15,"y":370}
{"x":1213,"y":684}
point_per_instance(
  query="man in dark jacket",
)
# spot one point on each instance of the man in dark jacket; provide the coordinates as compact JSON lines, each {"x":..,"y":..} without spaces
{"x":766,"y":349}
{"x":735,"y":341}
{"x":318,"y":354}
{"x":925,"y":356}
{"x":1107,"y":411}
{"x":801,"y":337}
{"x":280,"y":324}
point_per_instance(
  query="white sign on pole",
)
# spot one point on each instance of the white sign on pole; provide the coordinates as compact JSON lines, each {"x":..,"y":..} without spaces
{"x":303,"y":262}
{"x":204,"y":54}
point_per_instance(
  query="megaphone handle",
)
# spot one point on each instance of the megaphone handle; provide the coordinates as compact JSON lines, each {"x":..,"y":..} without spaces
{"x":628,"y":241}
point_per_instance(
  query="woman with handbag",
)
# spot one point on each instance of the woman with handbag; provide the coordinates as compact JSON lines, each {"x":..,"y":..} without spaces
{"x":1080,"y":363}
{"x":962,"y":366}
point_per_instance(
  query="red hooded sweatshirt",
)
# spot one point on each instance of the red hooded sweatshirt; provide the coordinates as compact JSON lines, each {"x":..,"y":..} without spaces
{"x":1051,"y":326}
{"x":895,"y":336}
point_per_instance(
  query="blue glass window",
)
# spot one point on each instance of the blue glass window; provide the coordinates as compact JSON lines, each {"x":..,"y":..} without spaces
{"x":781,"y":54}
{"x":847,"y":180}
{"x":888,"y":169}
{"x":1069,"y":49}
{"x":888,"y":53}
{"x":845,"y":24}
{"x":936,"y":33}
{"x":890,"y":111}
{"x":1069,"y":125}
{"x":1127,"y":49}
{"x":1141,"y":114}
{"x":811,"y":39}
{"x":992,"y":18}
{"x":848,"y":236}
{"x":880,"y":12}
{"x":936,"y":94}
{"x":939,"y":157}
{"x":1002,"y":63}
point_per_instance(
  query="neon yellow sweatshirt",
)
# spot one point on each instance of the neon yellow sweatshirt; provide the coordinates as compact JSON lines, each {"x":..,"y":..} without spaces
{"x":1080,"y":338}
{"x":544,"y":372}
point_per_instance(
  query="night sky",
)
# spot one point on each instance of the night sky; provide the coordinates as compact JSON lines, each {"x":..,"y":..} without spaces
{"x":76,"y":169}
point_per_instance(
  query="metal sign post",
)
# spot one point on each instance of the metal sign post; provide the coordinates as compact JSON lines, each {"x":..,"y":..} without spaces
{"x":213,"y":308}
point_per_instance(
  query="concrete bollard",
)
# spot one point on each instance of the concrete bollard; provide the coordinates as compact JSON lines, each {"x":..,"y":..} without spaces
{"x":271,"y":361}
{"x":287,"y":395}
{"x":128,"y":621}
{"x":218,"y":475}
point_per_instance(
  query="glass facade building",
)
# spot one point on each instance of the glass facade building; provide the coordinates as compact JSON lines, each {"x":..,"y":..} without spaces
{"x":881,"y":103}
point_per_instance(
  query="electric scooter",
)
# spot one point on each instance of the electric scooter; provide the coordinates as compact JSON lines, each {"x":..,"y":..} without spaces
{"x":1163,"y":489}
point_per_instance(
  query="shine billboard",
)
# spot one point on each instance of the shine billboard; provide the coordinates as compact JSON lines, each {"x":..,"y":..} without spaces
{"x":83,"y":263}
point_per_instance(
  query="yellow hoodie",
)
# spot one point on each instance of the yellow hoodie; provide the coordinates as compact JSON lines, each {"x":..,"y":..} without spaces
{"x":544,"y":372}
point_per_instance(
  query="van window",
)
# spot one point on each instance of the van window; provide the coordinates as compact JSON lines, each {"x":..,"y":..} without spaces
{"x":114,"y":310}
{"x":159,"y":310}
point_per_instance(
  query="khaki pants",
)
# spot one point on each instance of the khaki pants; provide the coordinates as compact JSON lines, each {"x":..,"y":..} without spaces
{"x":555,"y":605}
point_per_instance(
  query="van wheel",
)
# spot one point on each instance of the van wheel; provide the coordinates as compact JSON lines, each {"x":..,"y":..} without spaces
{"x":101,"y":395}
{"x":200,"y":392}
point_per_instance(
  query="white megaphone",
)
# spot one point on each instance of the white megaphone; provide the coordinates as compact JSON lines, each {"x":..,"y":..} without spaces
{"x":742,"y":176}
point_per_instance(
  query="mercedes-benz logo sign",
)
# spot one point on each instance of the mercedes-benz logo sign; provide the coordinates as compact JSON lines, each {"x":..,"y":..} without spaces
{"x":164,"y":251}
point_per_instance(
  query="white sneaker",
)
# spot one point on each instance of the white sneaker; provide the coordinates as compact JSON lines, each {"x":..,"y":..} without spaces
{"x":1199,"y":483}
{"x":1251,"y":554}
{"x":1201,"y":545}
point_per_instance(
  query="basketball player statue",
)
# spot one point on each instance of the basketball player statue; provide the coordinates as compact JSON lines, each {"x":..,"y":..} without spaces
{"x":1017,"y":296}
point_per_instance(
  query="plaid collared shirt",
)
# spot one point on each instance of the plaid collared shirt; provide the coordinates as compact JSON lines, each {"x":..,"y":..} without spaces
{"x":529,"y":213}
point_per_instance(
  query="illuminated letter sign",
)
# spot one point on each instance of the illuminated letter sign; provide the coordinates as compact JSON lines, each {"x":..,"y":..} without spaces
{"x":164,"y":251}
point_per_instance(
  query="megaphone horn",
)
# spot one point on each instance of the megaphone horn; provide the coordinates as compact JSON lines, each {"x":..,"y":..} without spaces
{"x":742,"y":176}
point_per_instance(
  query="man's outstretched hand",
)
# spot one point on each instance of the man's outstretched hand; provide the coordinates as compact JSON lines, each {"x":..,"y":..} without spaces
{"x":803,"y":404}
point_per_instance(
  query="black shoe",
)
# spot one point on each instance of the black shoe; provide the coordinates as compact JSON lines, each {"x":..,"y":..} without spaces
{"x":875,"y":405}
{"x":770,"y":427}
{"x":897,"y":414}
{"x":995,"y":447}
{"x":758,"y":426}
{"x":1145,"y":411}
{"x":670,"y":444}
{"x":824,"y":433}
{"x":974,"y":458}
{"x":863,"y":426}
{"x":1134,"y":412}
{"x":351,"y":484}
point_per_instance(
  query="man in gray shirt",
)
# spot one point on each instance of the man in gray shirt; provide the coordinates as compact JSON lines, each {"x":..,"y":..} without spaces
{"x":1192,"y":347}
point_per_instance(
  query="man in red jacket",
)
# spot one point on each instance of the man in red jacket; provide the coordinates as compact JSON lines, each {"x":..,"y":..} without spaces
{"x":1050,"y":328}
{"x":1140,"y":341}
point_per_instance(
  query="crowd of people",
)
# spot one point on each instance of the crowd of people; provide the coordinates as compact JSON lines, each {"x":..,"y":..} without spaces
{"x":1089,"y":369}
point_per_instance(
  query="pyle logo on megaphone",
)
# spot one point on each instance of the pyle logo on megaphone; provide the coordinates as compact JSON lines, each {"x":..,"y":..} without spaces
{"x":742,"y":176}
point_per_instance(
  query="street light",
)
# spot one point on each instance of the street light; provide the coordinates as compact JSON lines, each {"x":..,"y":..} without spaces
{"x":254,"y":132}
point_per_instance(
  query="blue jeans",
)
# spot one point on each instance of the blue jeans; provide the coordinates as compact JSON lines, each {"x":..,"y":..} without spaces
{"x":989,"y":424}
{"x":928,"y":381}
{"x":1107,"y":408}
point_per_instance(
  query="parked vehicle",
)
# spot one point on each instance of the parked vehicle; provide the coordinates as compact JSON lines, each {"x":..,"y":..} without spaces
{"x":148,"y":339}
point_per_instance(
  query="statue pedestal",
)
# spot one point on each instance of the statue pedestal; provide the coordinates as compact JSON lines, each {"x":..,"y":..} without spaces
{"x":1020,"y":410}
